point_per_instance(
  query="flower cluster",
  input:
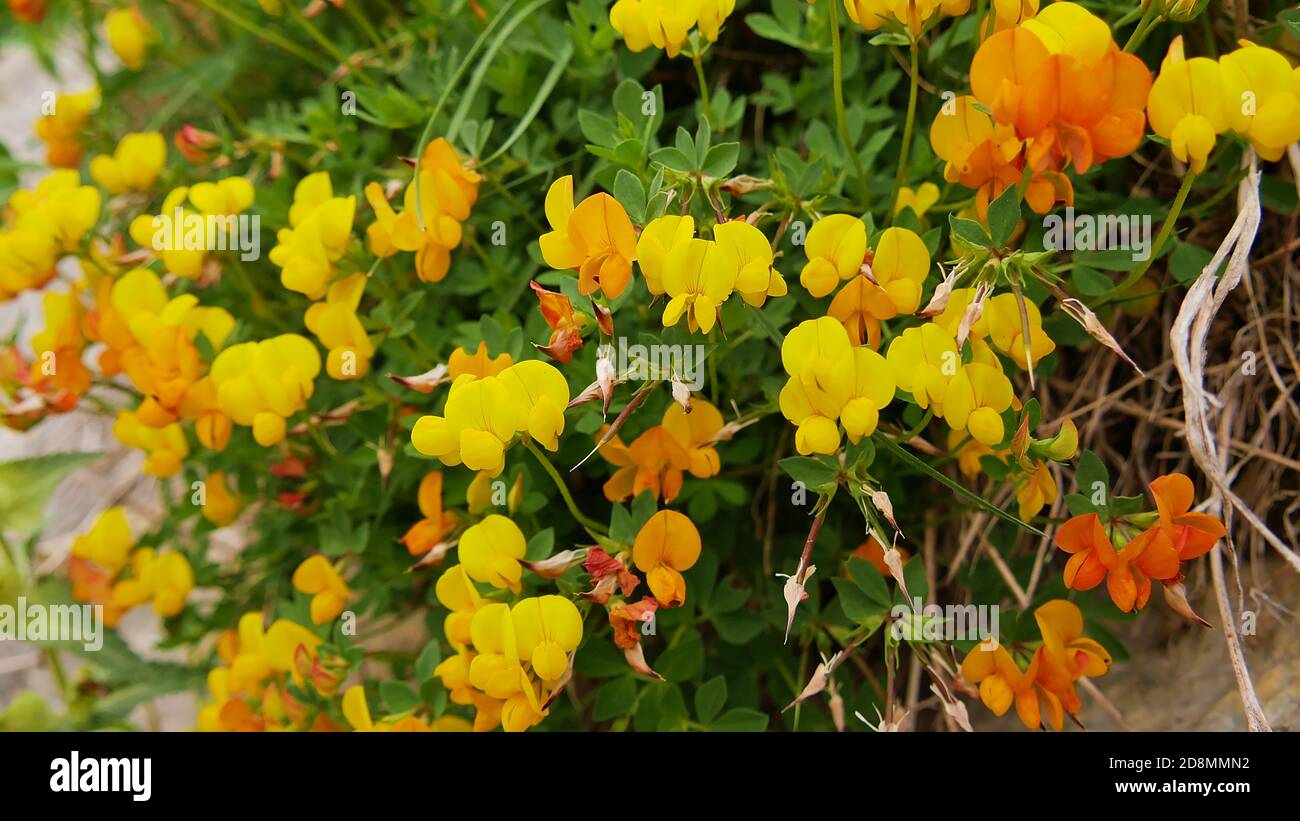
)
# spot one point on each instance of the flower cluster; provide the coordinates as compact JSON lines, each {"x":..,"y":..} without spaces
{"x":432,"y":212}
{"x":1044,"y":690}
{"x":483,"y":415}
{"x":107,"y":568}
{"x":666,"y":24}
{"x":1127,"y":552}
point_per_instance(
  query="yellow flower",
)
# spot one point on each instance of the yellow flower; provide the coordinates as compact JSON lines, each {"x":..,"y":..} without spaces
{"x":1035,"y":490}
{"x":478,"y":363}
{"x":164,"y":578}
{"x":920,"y":200}
{"x":490,"y":552}
{"x":319,"y":233}
{"x":872,"y":14}
{"x":319,"y":579}
{"x":831,"y":381}
{"x":657,"y":240}
{"x":156,"y":233}
{"x":483,"y":415}
{"x":924,"y":359}
{"x":698,"y":280}
{"x":497,"y":671}
{"x":61,"y":129}
{"x":260,"y":384}
{"x":129,"y":35}
{"x":1001,"y":325}
{"x":547,"y":630}
{"x":220,"y":506}
{"x":1261,"y":98}
{"x":165,"y":445}
{"x":969,"y":453}
{"x":334,"y":322}
{"x":108,"y":542}
{"x":665,"y":24}
{"x":667,"y":544}
{"x":756,"y":276}
{"x":1188,"y":105}
{"x":975,"y":398}
{"x":134,"y":164}
{"x":694,"y":431}
{"x":836,"y":247}
{"x":596,"y":238}
{"x":42,"y":224}
{"x":890,"y":285}
{"x":225,"y":197}
{"x":456,"y":592}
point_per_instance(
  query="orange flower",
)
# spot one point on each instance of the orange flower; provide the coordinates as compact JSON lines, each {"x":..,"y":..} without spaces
{"x":1067,"y":654}
{"x":694,"y":431}
{"x":432,"y":530}
{"x":667,"y":544}
{"x":1128,"y":571}
{"x":596,"y":238}
{"x":654,"y":461}
{"x":565,"y":324}
{"x":1002,"y":683}
{"x":1191,"y":534}
{"x":1062,"y":82}
{"x":626,"y":619}
{"x":478,"y":363}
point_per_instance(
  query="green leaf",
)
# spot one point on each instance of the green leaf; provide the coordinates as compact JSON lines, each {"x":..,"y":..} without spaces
{"x":1089,"y":281}
{"x":710,"y":698}
{"x":429,"y":658}
{"x":615,"y":698}
{"x":740,"y":720}
{"x":673,"y":158}
{"x":870,"y":582}
{"x":1004,"y":215}
{"x":812,"y":472}
{"x":399,"y":696}
{"x":969,"y":231}
{"x":629,"y":191}
{"x":721,"y":159}
{"x":856,"y":604}
{"x":26,"y":485}
{"x":683,"y":662}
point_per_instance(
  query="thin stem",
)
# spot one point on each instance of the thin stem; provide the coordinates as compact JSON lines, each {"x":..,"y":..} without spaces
{"x":366,"y":26}
{"x":704,"y":85}
{"x":1150,"y":18}
{"x":267,"y":34}
{"x":841,"y":120}
{"x":593,"y":528}
{"x":907,"y":132}
{"x":1165,"y":230}
{"x":326,"y":43}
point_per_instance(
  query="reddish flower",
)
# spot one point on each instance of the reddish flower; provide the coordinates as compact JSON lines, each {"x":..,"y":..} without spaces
{"x":1127,"y":572}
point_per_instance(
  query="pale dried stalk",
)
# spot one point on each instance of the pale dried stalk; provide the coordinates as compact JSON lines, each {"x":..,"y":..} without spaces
{"x":1187,"y":338}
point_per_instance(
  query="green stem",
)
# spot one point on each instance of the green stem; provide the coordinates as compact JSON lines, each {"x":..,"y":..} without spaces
{"x":704,"y":86}
{"x":267,"y":34}
{"x":56,"y":671}
{"x":366,"y":26}
{"x":907,"y":133}
{"x":594,"y":529}
{"x":1150,"y":18}
{"x":841,"y":120}
{"x":324,"y":42}
{"x":1165,"y":230}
